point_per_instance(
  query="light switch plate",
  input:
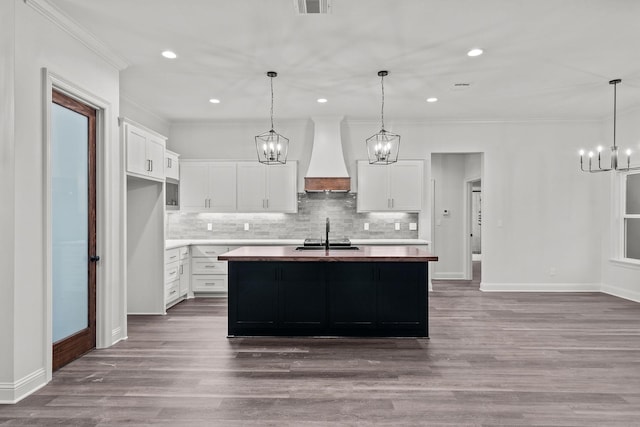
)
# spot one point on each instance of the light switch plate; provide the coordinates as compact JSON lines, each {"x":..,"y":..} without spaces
{"x":246,"y":226}
{"x":397,"y":226}
{"x":209,"y":226}
{"x":413,"y":226}
{"x":366,"y":226}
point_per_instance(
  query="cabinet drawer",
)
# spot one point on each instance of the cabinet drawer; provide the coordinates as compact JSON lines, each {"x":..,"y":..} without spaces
{"x":184,"y":252}
{"x":172,"y":291}
{"x":172,"y":272}
{"x":207,"y":250}
{"x":212,"y":283}
{"x":208,"y":266}
{"x":171,"y":255}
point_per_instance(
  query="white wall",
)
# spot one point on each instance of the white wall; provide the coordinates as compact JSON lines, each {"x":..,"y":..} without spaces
{"x":7,"y":193}
{"x":42,"y":44}
{"x":540,"y":215}
{"x":139,"y":114}
{"x":621,"y":279}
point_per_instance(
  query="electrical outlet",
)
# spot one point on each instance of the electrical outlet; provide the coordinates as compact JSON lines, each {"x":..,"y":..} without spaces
{"x":413,"y":226}
{"x":246,"y":226}
{"x":209,"y":226}
{"x":397,"y":226}
{"x":366,"y":226}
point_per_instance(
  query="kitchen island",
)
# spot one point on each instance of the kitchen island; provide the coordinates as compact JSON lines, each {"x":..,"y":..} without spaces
{"x":369,"y":291}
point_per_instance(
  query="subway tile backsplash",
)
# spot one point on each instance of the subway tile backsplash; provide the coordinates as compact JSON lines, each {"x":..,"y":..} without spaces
{"x":313,"y":209}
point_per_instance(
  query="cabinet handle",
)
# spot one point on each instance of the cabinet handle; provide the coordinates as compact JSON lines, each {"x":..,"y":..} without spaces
{"x":209,"y":266}
{"x":393,"y":202}
{"x":210,"y":283}
{"x":267,"y":203}
{"x":172,"y":292}
{"x":181,"y":269}
{"x":168,"y":162}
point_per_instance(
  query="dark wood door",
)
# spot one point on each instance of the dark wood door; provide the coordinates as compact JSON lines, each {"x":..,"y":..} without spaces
{"x":73,"y":181}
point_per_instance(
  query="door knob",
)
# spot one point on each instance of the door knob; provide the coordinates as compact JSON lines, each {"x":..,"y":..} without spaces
{"x":94,"y":258}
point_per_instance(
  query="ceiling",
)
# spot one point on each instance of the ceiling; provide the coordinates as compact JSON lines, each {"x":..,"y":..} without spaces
{"x":544,"y":59}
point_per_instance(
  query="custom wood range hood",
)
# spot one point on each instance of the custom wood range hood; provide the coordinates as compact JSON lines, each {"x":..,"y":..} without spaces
{"x":327,"y":169}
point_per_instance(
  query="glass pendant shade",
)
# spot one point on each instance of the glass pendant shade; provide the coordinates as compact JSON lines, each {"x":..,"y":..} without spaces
{"x":272,"y":148}
{"x":383,"y":147}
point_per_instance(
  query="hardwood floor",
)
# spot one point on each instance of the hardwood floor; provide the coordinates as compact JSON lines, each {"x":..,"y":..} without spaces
{"x":561,"y":359}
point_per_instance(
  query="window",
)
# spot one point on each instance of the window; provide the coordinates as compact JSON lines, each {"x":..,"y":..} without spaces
{"x":631,"y":217}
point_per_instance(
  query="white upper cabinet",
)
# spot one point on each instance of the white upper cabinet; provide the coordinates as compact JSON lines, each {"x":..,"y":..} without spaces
{"x":396,"y":187}
{"x":267,"y":188}
{"x":171,"y":165}
{"x":145,"y":151}
{"x":208,"y":186}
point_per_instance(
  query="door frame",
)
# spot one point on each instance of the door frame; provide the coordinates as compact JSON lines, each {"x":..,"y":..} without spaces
{"x":105,"y":246}
{"x":468,"y":227}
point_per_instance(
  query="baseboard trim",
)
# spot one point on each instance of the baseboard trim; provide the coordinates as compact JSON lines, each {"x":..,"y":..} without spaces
{"x":11,"y":393}
{"x":448,"y":276}
{"x":116,"y":335}
{"x":619,"y":292}
{"x":540,"y":287}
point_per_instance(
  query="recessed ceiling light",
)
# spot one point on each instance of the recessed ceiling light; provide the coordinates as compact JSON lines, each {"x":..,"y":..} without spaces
{"x":475,"y":52}
{"x":432,"y":99}
{"x":214,"y":101}
{"x":322,"y":100}
{"x":169,"y":54}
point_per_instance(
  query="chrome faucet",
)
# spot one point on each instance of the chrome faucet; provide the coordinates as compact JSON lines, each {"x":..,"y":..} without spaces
{"x":326,"y":240}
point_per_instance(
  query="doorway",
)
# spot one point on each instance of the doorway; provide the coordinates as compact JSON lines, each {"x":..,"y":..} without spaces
{"x":456,"y":218}
{"x":73,"y":228}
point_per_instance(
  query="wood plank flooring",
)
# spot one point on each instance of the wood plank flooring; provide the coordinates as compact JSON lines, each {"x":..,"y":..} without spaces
{"x":546,"y":359}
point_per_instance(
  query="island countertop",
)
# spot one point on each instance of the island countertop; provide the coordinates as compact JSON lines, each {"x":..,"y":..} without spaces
{"x":362,"y":254}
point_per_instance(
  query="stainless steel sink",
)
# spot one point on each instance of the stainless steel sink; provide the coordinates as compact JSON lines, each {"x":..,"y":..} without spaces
{"x":331,"y":248}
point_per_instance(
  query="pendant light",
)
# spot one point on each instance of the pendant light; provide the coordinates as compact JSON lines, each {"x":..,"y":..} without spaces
{"x":272,"y":147}
{"x":614,"y":147}
{"x":383,"y":147}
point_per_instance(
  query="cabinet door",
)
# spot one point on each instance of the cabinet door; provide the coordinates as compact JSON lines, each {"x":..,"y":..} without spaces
{"x":405,"y":186}
{"x":251,"y":186}
{"x":302,"y":296}
{"x":155,"y":155}
{"x":373,"y":190}
{"x":194,"y":185}
{"x":171,"y":166}
{"x":185,"y":276}
{"x":222,"y":187}
{"x":136,"y":151}
{"x":281,"y":188}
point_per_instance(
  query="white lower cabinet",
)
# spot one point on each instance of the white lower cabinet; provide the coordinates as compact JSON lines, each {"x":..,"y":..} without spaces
{"x":208,"y":274}
{"x":173,"y":276}
{"x":185,"y":271}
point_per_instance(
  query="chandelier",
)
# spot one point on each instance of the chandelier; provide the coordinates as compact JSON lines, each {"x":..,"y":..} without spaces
{"x":272,"y":147}
{"x":383,"y":147}
{"x":614,"y":148}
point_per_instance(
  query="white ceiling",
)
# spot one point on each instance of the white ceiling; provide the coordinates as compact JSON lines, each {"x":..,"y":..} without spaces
{"x":544,"y":59}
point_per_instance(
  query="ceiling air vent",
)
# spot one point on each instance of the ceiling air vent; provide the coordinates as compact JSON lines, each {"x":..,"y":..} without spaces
{"x":313,"y":7}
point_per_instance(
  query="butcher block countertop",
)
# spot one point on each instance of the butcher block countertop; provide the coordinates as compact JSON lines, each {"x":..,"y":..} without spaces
{"x":362,"y":254}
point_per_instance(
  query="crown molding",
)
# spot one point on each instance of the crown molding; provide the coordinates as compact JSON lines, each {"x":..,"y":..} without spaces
{"x":77,"y":31}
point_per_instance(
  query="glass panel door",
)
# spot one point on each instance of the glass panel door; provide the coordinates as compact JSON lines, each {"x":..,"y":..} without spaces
{"x":73,"y":228}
